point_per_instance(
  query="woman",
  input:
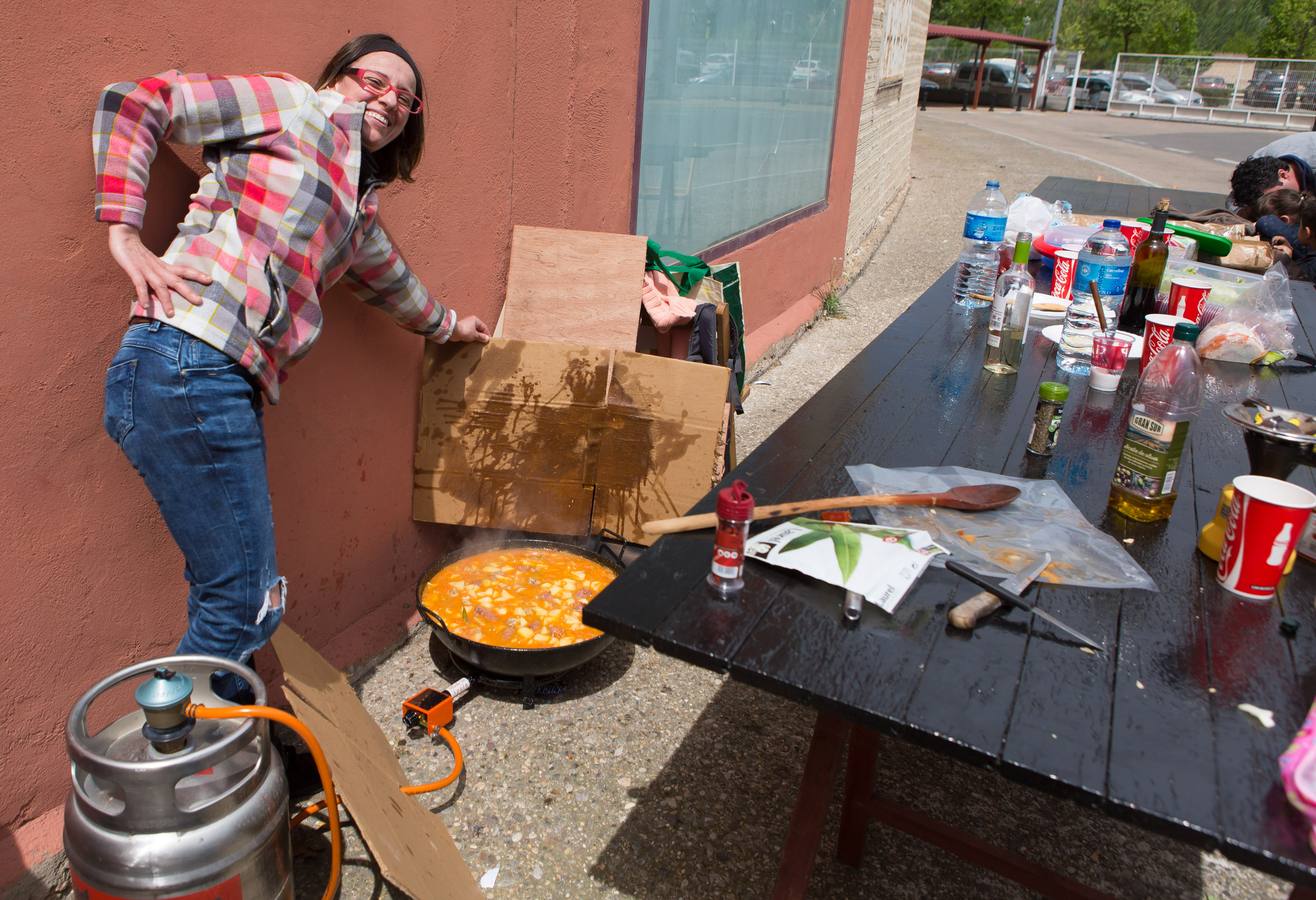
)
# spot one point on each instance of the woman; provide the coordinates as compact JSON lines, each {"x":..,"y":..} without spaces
{"x":288,"y":207}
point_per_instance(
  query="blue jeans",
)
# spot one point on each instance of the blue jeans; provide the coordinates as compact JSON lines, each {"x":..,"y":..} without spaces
{"x":189,"y":419}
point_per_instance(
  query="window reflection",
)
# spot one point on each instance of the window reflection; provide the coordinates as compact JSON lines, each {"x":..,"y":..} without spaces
{"x":739,"y":99}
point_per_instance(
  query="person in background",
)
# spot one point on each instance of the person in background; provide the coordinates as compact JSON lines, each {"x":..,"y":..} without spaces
{"x":1261,"y":174}
{"x":1300,"y":146}
{"x":1297,"y":240}
{"x":288,"y":207}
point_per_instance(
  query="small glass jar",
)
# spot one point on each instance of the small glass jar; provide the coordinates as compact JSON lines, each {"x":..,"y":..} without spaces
{"x":735,"y":510}
{"x":1051,"y":396}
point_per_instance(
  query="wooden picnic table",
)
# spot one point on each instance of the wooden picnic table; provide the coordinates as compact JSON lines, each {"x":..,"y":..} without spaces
{"x":1148,"y":732}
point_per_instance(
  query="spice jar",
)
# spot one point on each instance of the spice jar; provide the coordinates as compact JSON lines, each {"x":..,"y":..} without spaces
{"x":735,"y":509}
{"x":1051,"y":397}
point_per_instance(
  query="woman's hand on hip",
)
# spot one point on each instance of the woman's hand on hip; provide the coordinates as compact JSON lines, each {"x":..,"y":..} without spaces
{"x":471,"y":328}
{"x":152,"y":277}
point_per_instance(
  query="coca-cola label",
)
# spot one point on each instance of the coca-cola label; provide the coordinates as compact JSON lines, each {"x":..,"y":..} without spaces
{"x":984,"y":228}
{"x":1259,"y":540}
{"x":1156,"y":339}
{"x":1062,"y":281}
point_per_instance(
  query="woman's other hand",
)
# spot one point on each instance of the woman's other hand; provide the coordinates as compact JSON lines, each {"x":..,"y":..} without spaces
{"x":1279,"y":243}
{"x":471,"y":328}
{"x":152,"y":277}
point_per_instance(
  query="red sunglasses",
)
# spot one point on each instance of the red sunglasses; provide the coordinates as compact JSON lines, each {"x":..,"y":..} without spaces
{"x":378,"y":85}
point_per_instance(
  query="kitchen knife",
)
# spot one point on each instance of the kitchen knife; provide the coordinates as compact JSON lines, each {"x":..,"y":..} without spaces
{"x":972,"y":611}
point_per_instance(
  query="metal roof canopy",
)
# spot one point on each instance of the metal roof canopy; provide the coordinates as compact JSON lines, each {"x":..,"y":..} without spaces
{"x":983,"y":39}
{"x":979,"y":36}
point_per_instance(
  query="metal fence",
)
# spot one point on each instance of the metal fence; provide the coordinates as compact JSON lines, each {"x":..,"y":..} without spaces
{"x":1267,"y":93}
{"x":1059,"y":89}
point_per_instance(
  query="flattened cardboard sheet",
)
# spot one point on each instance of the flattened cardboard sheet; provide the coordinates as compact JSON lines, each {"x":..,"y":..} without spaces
{"x":411,"y":844}
{"x":564,"y":440}
{"x":573,"y":287}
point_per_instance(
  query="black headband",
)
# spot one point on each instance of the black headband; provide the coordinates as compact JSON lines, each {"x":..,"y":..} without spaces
{"x":384,"y":43}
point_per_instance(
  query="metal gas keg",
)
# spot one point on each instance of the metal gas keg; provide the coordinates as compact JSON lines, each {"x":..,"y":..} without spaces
{"x":163,"y":806}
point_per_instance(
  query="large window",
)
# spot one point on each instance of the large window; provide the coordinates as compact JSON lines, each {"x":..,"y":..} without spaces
{"x":739,"y":99}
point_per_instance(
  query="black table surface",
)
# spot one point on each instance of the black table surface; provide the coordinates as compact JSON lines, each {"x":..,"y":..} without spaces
{"x":1150,"y":730}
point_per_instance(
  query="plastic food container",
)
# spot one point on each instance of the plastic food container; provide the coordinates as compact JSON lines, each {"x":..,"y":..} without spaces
{"x":1227,"y":285}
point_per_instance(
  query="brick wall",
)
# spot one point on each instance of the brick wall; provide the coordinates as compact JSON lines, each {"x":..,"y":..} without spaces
{"x":886,"y":123}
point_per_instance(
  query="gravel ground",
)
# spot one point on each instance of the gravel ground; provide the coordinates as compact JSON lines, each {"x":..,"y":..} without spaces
{"x":647,"y":777}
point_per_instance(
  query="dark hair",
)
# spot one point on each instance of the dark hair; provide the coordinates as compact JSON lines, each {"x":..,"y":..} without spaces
{"x":398,"y":158}
{"x":1283,"y":202}
{"x":1307,"y":211}
{"x":1251,"y":179}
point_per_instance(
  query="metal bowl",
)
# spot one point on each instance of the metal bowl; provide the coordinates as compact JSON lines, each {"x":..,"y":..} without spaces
{"x":514,"y":661}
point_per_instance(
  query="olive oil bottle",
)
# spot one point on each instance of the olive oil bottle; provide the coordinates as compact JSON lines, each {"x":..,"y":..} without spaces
{"x":1169,"y":392}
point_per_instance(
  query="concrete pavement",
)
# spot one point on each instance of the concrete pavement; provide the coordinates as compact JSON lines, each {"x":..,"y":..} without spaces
{"x":1177,"y":155}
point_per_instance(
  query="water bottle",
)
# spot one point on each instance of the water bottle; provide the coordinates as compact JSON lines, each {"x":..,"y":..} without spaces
{"x":1105,"y":259}
{"x":980,"y":261}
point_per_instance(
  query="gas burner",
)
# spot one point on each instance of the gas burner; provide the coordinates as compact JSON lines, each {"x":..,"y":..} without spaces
{"x":531,"y":687}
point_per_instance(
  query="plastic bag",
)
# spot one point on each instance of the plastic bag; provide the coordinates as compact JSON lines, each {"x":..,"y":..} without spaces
{"x":1004,"y":541}
{"x":1027,"y":213}
{"x":1254,"y":326}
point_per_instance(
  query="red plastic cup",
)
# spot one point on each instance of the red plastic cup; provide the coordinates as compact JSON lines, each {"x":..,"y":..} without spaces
{"x":1265,"y":521}
{"x":1110,"y":353}
{"x":1188,"y":297}
{"x":1158,"y":335}
{"x":1062,"y":279}
{"x":1135,"y":233}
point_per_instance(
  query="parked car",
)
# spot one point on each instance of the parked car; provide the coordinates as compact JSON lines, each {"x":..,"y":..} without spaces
{"x":999,"y":84}
{"x":940,"y":72}
{"x":808,"y":73}
{"x":1272,"y":90}
{"x":716,"y":62}
{"x":1213,"y":83}
{"x":1090,"y":91}
{"x":1308,"y":99}
{"x":1146,"y":88}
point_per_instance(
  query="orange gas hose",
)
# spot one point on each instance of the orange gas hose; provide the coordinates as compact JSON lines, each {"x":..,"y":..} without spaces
{"x":198,"y":711}
{"x":446,"y":779}
{"x":409,"y":789}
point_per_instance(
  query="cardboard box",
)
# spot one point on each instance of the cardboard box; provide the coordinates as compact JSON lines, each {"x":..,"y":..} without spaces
{"x":573,"y":287}
{"x":563,"y":439}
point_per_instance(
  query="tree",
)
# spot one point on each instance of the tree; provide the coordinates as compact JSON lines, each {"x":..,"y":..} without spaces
{"x":1291,"y":30}
{"x":1103,"y":28}
{"x":994,"y":15}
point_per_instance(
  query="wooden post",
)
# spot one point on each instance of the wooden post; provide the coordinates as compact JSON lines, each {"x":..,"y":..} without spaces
{"x":977,"y":83}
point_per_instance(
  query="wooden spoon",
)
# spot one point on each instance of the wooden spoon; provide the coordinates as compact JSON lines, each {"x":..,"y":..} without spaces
{"x":970,"y":497}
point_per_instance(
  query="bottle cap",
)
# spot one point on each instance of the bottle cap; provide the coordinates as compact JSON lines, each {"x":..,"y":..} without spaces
{"x":1111,"y":223}
{"x":993,"y":183}
{"x":1053,"y":391}
{"x":1187,"y":331}
{"x":735,"y":502}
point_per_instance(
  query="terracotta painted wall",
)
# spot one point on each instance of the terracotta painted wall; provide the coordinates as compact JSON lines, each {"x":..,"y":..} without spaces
{"x":531,"y":119}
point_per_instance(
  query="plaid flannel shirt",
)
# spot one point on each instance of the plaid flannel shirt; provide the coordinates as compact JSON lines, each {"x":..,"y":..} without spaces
{"x":275,"y":222}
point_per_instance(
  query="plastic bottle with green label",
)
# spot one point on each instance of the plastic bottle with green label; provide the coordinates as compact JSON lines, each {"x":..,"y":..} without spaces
{"x":1168,"y":396}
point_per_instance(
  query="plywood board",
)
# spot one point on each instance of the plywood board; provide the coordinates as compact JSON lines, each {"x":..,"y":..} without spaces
{"x":411,"y":844}
{"x":574,"y":287}
{"x":565,"y":440}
